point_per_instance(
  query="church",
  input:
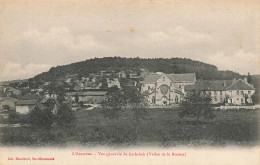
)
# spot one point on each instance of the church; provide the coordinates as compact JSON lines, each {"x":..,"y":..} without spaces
{"x":166,"y":89}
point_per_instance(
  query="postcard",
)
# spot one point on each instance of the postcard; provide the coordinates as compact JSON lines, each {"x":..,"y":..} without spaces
{"x":129,"y":82}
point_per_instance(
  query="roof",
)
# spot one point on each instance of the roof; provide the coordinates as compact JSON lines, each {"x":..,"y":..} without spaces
{"x":190,"y":77}
{"x":240,"y":85}
{"x":8,"y":98}
{"x":30,"y":96}
{"x":87,"y":93}
{"x":151,"y":78}
{"x":11,"y":89}
{"x":26,"y":102}
{"x":43,"y":101}
{"x":208,"y":85}
{"x":182,"y":77}
{"x":219,"y":85}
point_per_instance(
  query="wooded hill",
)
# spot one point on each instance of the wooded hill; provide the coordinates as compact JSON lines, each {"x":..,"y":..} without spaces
{"x":174,"y":65}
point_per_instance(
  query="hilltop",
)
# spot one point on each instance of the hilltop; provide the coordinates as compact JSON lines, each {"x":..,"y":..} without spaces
{"x":174,"y":65}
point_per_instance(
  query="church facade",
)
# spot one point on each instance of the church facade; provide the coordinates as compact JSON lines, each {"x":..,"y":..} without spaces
{"x":166,"y":89}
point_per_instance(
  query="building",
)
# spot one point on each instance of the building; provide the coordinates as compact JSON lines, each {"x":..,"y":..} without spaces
{"x":26,"y":106}
{"x":166,"y":89}
{"x":44,"y":105}
{"x":27,"y":103}
{"x":113,"y":82}
{"x":87,"y":97}
{"x":240,"y":93}
{"x":10,"y":91}
{"x":8,"y":101}
{"x":230,"y":92}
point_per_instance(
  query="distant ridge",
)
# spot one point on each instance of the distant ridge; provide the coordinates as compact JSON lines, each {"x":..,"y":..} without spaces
{"x":173,"y":65}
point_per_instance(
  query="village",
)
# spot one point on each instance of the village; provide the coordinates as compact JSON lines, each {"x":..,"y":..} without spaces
{"x":160,"y":90}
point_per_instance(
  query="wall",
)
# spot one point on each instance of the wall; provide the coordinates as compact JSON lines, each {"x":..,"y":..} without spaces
{"x":23,"y":109}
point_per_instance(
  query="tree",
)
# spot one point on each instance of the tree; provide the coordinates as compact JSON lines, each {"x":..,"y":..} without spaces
{"x":76,"y":98}
{"x":65,"y":116}
{"x":6,"y":107}
{"x":40,"y":118}
{"x":104,"y":82}
{"x":113,"y":103}
{"x":137,"y":102}
{"x":249,"y":78}
{"x":195,"y":105}
{"x":58,"y":88}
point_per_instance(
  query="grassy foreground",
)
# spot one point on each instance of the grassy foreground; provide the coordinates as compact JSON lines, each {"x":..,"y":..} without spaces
{"x":162,"y":127}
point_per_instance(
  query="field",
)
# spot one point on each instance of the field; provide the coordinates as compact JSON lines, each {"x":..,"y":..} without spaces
{"x":161,"y":127}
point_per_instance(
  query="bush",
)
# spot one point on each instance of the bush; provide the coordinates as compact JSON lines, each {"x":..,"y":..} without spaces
{"x":65,"y":116}
{"x":40,"y":118}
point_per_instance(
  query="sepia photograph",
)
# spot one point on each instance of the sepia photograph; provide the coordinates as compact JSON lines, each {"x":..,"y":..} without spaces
{"x":129,"y":82}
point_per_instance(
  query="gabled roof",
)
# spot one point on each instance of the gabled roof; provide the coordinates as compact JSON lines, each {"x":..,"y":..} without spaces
{"x":240,"y":85}
{"x":182,"y":77}
{"x":208,"y":85}
{"x":26,"y":102}
{"x":8,"y":98}
{"x":11,"y":89}
{"x":30,"y":96}
{"x":152,"y":78}
{"x":219,"y":85}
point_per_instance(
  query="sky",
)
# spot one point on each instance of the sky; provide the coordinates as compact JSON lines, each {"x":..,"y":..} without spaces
{"x":37,"y":35}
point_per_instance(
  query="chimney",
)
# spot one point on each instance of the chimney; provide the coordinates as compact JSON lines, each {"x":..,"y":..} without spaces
{"x":245,"y":79}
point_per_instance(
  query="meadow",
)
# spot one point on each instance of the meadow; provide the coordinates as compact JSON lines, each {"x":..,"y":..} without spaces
{"x":161,"y":127}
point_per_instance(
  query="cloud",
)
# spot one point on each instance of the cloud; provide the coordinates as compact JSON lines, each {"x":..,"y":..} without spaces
{"x":61,"y":37}
{"x":240,"y":61}
{"x":178,"y":36}
{"x":11,"y":70}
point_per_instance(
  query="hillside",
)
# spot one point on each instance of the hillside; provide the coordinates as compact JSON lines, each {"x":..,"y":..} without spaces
{"x":173,"y":65}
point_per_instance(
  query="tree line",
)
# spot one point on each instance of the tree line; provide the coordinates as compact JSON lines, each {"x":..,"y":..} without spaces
{"x":173,"y":65}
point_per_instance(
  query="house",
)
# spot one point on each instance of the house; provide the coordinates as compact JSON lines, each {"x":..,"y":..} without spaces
{"x":27,"y":103}
{"x":237,"y":92}
{"x":48,"y":95}
{"x":10,"y":91}
{"x":26,"y":106}
{"x":121,"y":74}
{"x":8,"y":101}
{"x":240,"y":92}
{"x":113,"y":82}
{"x":87,"y":97}
{"x":166,"y":89}
{"x":44,"y":105}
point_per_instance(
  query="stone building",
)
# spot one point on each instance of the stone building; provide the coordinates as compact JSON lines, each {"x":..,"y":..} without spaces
{"x":166,"y":89}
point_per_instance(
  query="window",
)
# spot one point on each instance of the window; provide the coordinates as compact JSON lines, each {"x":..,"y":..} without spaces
{"x":179,"y":86}
{"x":176,"y":99}
{"x":242,"y":100}
{"x":237,"y":92}
{"x":215,"y":99}
{"x":220,"y":93}
{"x":163,"y":78}
{"x":242,"y":93}
{"x":164,"y":89}
{"x":153,"y":100}
{"x":215,"y":92}
{"x":249,"y":92}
